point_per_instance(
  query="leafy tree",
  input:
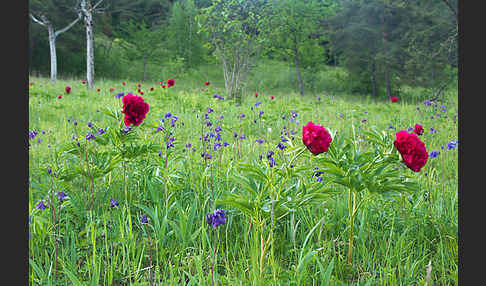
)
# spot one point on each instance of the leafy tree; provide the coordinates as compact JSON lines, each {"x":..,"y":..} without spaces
{"x":237,"y":30}
{"x":391,"y":42}
{"x":431,"y":39}
{"x":295,"y":26}
{"x":141,"y":42}
{"x":183,"y":39}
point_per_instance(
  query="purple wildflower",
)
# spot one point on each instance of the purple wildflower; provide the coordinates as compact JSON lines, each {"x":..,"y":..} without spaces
{"x":61,"y":195}
{"x":113,"y":203}
{"x":143,"y":219}
{"x":41,"y":206}
{"x":452,"y":145}
{"x":126,"y":129}
{"x":90,"y":136}
{"x":434,"y":154}
{"x":281,"y":146}
{"x":216,"y":218}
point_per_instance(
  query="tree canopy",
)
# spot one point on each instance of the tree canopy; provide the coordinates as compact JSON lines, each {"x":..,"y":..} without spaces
{"x":382,"y":44}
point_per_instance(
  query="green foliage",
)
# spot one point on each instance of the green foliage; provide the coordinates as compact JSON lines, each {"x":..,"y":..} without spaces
{"x":376,"y":170}
{"x":183,"y":39}
{"x":400,"y":39}
{"x":237,"y":30}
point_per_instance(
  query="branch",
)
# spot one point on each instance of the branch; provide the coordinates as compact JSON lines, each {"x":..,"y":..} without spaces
{"x":68,"y":26}
{"x":96,"y":5}
{"x":452,"y":9}
{"x":36,"y":20}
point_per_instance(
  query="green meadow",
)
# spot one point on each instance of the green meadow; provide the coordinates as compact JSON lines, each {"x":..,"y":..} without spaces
{"x":285,"y":223}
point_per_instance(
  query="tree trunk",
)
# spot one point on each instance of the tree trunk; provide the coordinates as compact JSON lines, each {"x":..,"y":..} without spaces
{"x":373,"y":72}
{"x":52,"y":40}
{"x":144,"y":67}
{"x":52,"y":48}
{"x":89,"y":51}
{"x":373,"y":77}
{"x":87,"y":11}
{"x":388,"y":82}
{"x":297,"y":68}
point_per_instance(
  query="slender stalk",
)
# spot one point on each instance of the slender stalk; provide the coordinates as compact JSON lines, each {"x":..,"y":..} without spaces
{"x":150,"y":259}
{"x":352,"y":206}
{"x":54,"y":222}
{"x":214,"y":258}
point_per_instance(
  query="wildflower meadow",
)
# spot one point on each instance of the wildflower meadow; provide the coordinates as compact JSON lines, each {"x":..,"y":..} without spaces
{"x":162,"y":183}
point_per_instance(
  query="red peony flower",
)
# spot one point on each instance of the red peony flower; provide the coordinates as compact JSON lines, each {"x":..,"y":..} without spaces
{"x":124,"y":83}
{"x":256,"y":94}
{"x":98,"y":89}
{"x":60,"y":96}
{"x":316,"y":138}
{"x":31,"y":83}
{"x":419,"y":130}
{"x":139,"y":85}
{"x":139,"y":90}
{"x":206,"y":82}
{"x":83,"y":81}
{"x":163,"y":86}
{"x":68,"y":89}
{"x":152,"y":88}
{"x":413,"y":150}
{"x":394,"y":99}
{"x":272,"y":97}
{"x":135,"y":109}
{"x":170,"y":82}
{"x":141,"y":93}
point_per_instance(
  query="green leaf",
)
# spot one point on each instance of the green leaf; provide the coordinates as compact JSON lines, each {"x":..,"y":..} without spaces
{"x":72,"y":277}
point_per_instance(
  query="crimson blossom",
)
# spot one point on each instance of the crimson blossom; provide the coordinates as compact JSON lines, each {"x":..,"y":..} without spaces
{"x":170,"y":82}
{"x":418,"y":129}
{"x":412,"y":150}
{"x":135,"y":109}
{"x":316,"y":138}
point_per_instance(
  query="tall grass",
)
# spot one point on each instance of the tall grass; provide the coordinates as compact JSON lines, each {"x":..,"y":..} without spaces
{"x":396,"y":240}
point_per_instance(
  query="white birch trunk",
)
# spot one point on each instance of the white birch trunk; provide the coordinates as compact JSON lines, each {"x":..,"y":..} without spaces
{"x":52,"y":41}
{"x":52,"y":48}
{"x":87,"y":11}
{"x":89,"y":52}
